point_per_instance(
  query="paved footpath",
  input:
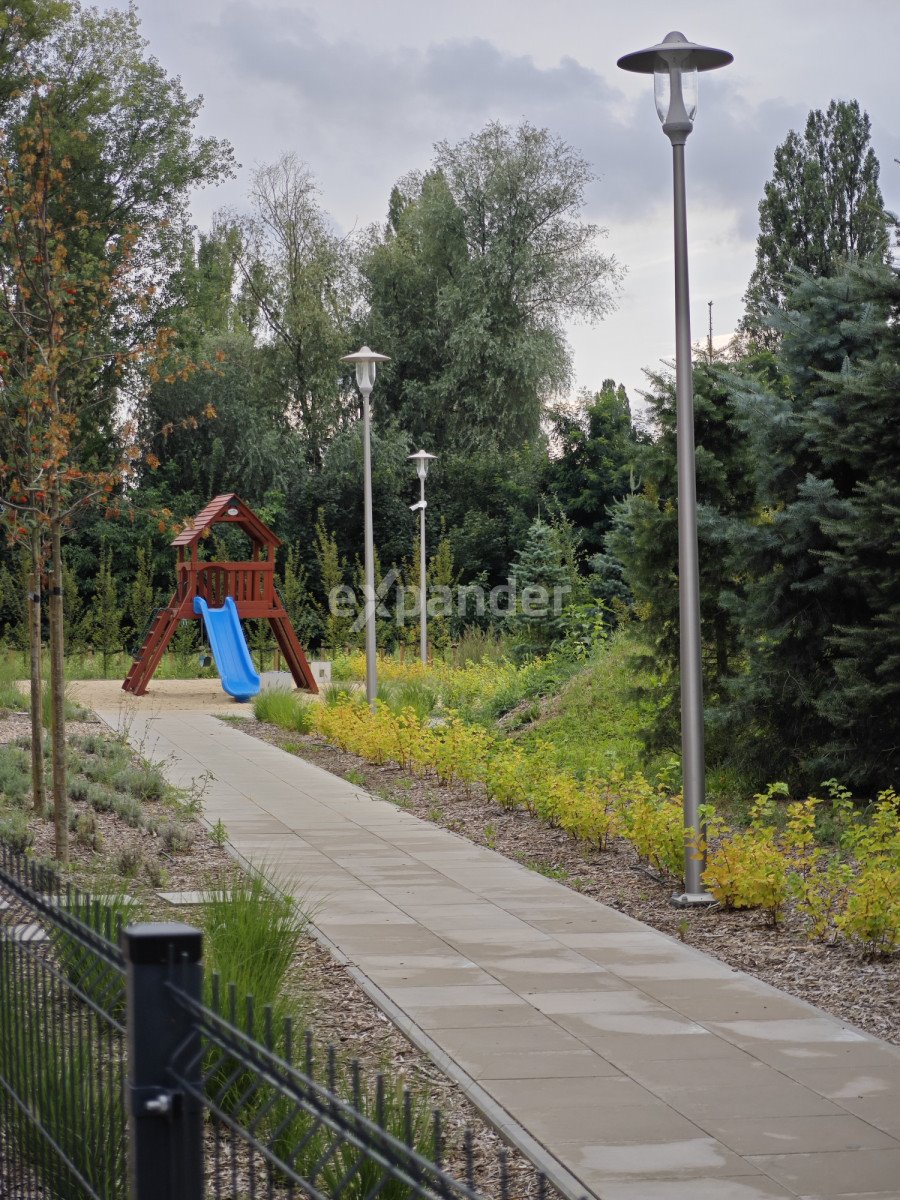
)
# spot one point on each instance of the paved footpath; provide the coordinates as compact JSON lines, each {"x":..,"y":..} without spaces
{"x":640,"y":1069}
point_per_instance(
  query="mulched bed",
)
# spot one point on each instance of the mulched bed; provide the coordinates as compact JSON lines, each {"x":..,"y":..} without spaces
{"x":334,"y":1005}
{"x":832,"y":977}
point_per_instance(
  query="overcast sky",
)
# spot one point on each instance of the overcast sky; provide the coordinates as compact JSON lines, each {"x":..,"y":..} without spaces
{"x":362,"y":89}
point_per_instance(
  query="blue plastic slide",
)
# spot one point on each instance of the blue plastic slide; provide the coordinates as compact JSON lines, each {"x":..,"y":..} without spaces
{"x":229,"y":647}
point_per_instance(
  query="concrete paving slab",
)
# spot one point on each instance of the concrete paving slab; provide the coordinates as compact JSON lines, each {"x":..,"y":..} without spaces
{"x":779,"y":1134}
{"x":828,"y":1174}
{"x":740,"y":1187}
{"x":616,"y":1055}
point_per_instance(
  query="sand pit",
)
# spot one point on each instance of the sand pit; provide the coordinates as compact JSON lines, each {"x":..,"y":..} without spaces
{"x":163,"y":696}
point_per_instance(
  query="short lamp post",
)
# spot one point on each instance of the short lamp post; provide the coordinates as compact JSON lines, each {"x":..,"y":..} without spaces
{"x":422,"y":458}
{"x":366,"y":363}
{"x":674,"y":65}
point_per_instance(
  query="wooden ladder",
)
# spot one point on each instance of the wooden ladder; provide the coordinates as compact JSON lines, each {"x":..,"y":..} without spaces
{"x":148,"y":656}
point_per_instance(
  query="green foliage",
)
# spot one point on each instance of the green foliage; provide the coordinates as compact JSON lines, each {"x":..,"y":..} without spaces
{"x":593,"y":461}
{"x":71,"y":1095}
{"x":102,"y":982}
{"x":821,"y":209}
{"x":332,"y":569}
{"x":141,"y":595}
{"x":15,"y":831}
{"x":107,"y":621}
{"x":816,"y":605}
{"x":284,"y":709}
{"x":544,"y":584}
{"x":482,"y":259}
{"x":644,"y":538}
{"x":297,"y":599}
{"x":253,"y":931}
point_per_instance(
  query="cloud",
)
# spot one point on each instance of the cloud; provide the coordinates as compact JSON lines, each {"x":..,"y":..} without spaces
{"x":394,"y":104}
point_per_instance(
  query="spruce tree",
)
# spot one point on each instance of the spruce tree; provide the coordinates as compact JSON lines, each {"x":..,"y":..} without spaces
{"x":544,"y":585}
{"x":860,"y":431}
{"x":816,"y":610}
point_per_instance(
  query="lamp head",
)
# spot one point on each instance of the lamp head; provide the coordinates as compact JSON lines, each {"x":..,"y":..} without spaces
{"x":674,"y":64}
{"x":422,"y":458}
{"x":365,"y":361}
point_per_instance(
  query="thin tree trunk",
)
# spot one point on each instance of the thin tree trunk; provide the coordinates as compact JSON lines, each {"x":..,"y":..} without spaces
{"x":58,"y":683}
{"x":34,"y":627}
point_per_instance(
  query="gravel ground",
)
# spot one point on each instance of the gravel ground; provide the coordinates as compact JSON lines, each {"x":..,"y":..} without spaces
{"x":832,"y":977}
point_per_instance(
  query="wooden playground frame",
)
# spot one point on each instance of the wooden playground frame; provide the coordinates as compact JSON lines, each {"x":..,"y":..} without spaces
{"x":251,"y":585}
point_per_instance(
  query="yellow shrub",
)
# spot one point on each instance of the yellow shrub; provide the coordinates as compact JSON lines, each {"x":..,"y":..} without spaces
{"x":759,"y":867}
{"x":871,"y":917}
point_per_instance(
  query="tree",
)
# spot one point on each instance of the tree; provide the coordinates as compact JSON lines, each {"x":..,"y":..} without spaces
{"x":24,"y":24}
{"x":141,"y":595}
{"x":296,"y":279}
{"x":332,"y":580}
{"x":860,"y":428}
{"x":820,"y":605}
{"x":592,"y":463}
{"x":106,"y":616}
{"x":807,"y":600}
{"x":96,"y":159}
{"x":644,"y":534}
{"x":297,"y":600}
{"x":482,"y":260}
{"x":822,"y":208}
{"x":544,"y":583}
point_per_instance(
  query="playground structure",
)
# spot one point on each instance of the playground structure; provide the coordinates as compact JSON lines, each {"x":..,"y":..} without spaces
{"x":250,"y":585}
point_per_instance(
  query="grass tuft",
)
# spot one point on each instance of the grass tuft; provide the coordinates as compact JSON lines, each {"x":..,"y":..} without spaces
{"x":284,"y":709}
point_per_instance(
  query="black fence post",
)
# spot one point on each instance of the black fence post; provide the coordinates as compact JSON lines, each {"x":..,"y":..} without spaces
{"x":165,"y":1126}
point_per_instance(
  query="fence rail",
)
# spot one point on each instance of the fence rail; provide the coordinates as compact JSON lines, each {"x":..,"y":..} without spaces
{"x":122,"y":1076}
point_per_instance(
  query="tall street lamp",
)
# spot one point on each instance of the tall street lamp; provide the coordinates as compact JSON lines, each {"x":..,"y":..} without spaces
{"x":366,"y":362}
{"x":674,"y":65}
{"x":422,"y":458}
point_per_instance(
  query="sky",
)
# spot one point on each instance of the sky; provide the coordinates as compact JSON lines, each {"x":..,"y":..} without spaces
{"x":362,"y":89}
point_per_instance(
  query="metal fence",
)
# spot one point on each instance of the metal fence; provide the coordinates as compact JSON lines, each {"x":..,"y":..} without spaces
{"x":62,"y":1063}
{"x":121,"y":1077}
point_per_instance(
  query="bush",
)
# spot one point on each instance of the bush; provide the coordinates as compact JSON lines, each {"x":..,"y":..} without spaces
{"x":15,"y":832}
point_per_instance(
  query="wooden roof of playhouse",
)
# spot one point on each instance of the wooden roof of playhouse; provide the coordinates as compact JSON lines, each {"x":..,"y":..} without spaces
{"x":227,"y":509}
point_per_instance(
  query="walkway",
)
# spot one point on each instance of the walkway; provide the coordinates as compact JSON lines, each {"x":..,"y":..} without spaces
{"x":647,"y":1070}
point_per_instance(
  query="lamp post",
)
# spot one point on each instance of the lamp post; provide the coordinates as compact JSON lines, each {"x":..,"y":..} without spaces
{"x":422,"y":458}
{"x":366,"y":362}
{"x":674,"y":64}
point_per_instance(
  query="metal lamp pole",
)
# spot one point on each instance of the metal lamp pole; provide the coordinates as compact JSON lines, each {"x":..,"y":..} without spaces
{"x":366,"y":362}
{"x":674,"y":64}
{"x":422,"y":458}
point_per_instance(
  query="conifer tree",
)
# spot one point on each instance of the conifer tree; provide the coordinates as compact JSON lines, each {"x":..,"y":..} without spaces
{"x":544,"y":585}
{"x":141,"y":596}
{"x":332,"y":579}
{"x":107,"y":633}
{"x":820,"y":592}
{"x":859,"y":431}
{"x":644,"y":535}
{"x":821,"y":209}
